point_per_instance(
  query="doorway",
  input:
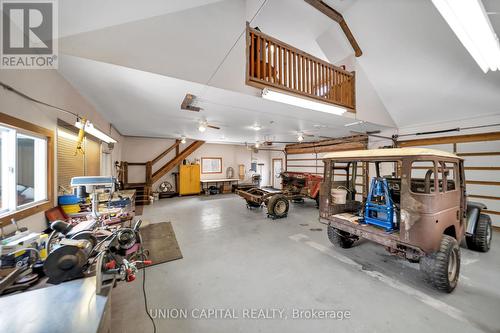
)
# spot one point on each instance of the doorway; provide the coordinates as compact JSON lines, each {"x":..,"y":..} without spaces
{"x":277,"y":169}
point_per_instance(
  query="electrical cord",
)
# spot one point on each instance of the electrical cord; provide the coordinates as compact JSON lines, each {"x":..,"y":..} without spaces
{"x":144,"y":290}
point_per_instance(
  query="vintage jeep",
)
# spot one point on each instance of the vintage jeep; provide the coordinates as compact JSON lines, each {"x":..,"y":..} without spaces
{"x":295,"y":186}
{"x":414,"y":204}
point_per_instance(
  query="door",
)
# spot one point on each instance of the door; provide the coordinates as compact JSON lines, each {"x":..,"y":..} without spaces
{"x":277,"y":169}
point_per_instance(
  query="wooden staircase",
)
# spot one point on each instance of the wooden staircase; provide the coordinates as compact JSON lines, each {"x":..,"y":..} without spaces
{"x":145,"y":190}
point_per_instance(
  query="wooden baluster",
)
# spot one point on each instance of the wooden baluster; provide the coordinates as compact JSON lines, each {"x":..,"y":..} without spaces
{"x":303,"y":65}
{"x":275,"y":64}
{"x":294,"y":68}
{"x":307,"y":74}
{"x":315,"y":78}
{"x":299,"y":72}
{"x":264,"y":55}
{"x":285,"y":67}
{"x":252,"y":55}
{"x":280,"y":71}
{"x":258,"y":57}
{"x":269,"y":60}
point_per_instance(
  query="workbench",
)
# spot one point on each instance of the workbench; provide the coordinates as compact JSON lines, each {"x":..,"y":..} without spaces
{"x":67,"y":307}
{"x":206,"y":183}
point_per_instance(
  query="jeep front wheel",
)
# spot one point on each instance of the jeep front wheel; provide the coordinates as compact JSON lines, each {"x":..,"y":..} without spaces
{"x":481,"y":239}
{"x":442,"y":268}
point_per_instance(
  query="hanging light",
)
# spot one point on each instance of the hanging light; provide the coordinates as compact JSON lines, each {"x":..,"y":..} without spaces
{"x":257,"y":144}
{"x":183,"y":139}
{"x":300,"y":138}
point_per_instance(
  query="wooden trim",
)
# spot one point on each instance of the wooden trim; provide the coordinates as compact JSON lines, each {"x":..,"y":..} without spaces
{"x":483,"y":168}
{"x":495,"y":227}
{"x":211,"y":158}
{"x":484,"y":153}
{"x":337,"y":17}
{"x":49,"y":136}
{"x":493,"y":212}
{"x":24,"y":213}
{"x":482,"y":182}
{"x":493,"y":136}
{"x":489,"y":197}
{"x":21,"y":124}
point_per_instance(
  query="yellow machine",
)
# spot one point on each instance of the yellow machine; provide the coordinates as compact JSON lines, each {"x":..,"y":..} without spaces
{"x":189,"y":179}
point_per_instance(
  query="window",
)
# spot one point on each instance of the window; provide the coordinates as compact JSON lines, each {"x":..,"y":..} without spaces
{"x":24,"y":169}
{"x":422,"y":177}
{"x":211,"y":165}
{"x":447,"y":176}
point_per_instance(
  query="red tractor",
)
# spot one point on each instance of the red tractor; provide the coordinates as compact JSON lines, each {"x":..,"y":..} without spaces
{"x":295,"y":186}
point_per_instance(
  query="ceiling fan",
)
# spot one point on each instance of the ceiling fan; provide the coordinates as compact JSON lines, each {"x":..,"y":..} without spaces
{"x":203,"y":125}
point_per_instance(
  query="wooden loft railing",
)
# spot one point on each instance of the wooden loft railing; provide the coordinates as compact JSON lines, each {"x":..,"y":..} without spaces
{"x":274,"y":64}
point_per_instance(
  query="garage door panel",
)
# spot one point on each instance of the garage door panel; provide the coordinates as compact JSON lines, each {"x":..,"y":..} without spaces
{"x":484,"y":146}
{"x":444,"y":147}
{"x":483,"y":175}
{"x":490,"y":161}
{"x":488,"y":190}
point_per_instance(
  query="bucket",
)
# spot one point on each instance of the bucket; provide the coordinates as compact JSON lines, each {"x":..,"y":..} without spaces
{"x":339,"y":196}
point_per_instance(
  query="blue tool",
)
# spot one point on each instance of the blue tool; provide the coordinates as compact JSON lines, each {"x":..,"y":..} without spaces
{"x":379,"y":207}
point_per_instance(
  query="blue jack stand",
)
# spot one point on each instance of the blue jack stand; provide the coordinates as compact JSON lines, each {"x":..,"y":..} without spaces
{"x":379,"y":207}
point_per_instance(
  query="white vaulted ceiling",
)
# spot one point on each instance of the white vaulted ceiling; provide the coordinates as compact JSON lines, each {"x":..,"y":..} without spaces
{"x":126,"y":56}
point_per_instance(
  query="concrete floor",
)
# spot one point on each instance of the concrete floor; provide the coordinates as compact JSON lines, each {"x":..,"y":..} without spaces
{"x":237,"y":259}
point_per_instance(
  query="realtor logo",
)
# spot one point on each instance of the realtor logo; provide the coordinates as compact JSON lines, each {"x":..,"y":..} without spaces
{"x":29,"y":34}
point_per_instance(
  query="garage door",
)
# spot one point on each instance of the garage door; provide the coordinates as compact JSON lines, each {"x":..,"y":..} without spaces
{"x":481,"y":153}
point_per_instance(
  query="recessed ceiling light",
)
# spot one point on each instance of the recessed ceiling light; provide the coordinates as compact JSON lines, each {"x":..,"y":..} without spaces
{"x":256,"y":127}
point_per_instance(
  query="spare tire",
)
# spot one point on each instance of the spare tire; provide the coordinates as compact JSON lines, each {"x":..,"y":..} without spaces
{"x":277,"y":206}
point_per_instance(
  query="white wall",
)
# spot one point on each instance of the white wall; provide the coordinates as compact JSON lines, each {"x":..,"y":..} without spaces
{"x":50,"y":87}
{"x":137,"y":149}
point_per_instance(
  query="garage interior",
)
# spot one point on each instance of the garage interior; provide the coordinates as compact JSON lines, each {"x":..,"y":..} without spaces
{"x":250,"y":165}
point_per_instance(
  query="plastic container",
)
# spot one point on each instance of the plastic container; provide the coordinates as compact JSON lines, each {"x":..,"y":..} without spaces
{"x":71,"y":209}
{"x":69,"y":199}
{"x":339,"y":196}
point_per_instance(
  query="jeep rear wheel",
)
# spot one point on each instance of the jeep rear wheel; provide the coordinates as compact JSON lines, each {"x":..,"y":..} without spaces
{"x":442,"y":268}
{"x":481,"y":239}
{"x":278,"y":205}
{"x":340,"y":238}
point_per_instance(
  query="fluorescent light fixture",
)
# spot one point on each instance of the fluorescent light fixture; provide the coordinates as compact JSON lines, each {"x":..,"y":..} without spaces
{"x":183,"y":139}
{"x":302,"y":102}
{"x":202,"y":127}
{"x":300,"y":138}
{"x":90,"y":129}
{"x":359,"y":122}
{"x":469,"y":21}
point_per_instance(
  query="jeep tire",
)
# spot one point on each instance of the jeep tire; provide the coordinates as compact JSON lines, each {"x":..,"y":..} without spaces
{"x":481,"y":239}
{"x":442,"y":268}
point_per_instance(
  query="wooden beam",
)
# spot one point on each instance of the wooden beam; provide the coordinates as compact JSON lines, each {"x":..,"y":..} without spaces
{"x":337,"y":17}
{"x":493,"y":136}
{"x":483,"y":153}
{"x":482,"y":182}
